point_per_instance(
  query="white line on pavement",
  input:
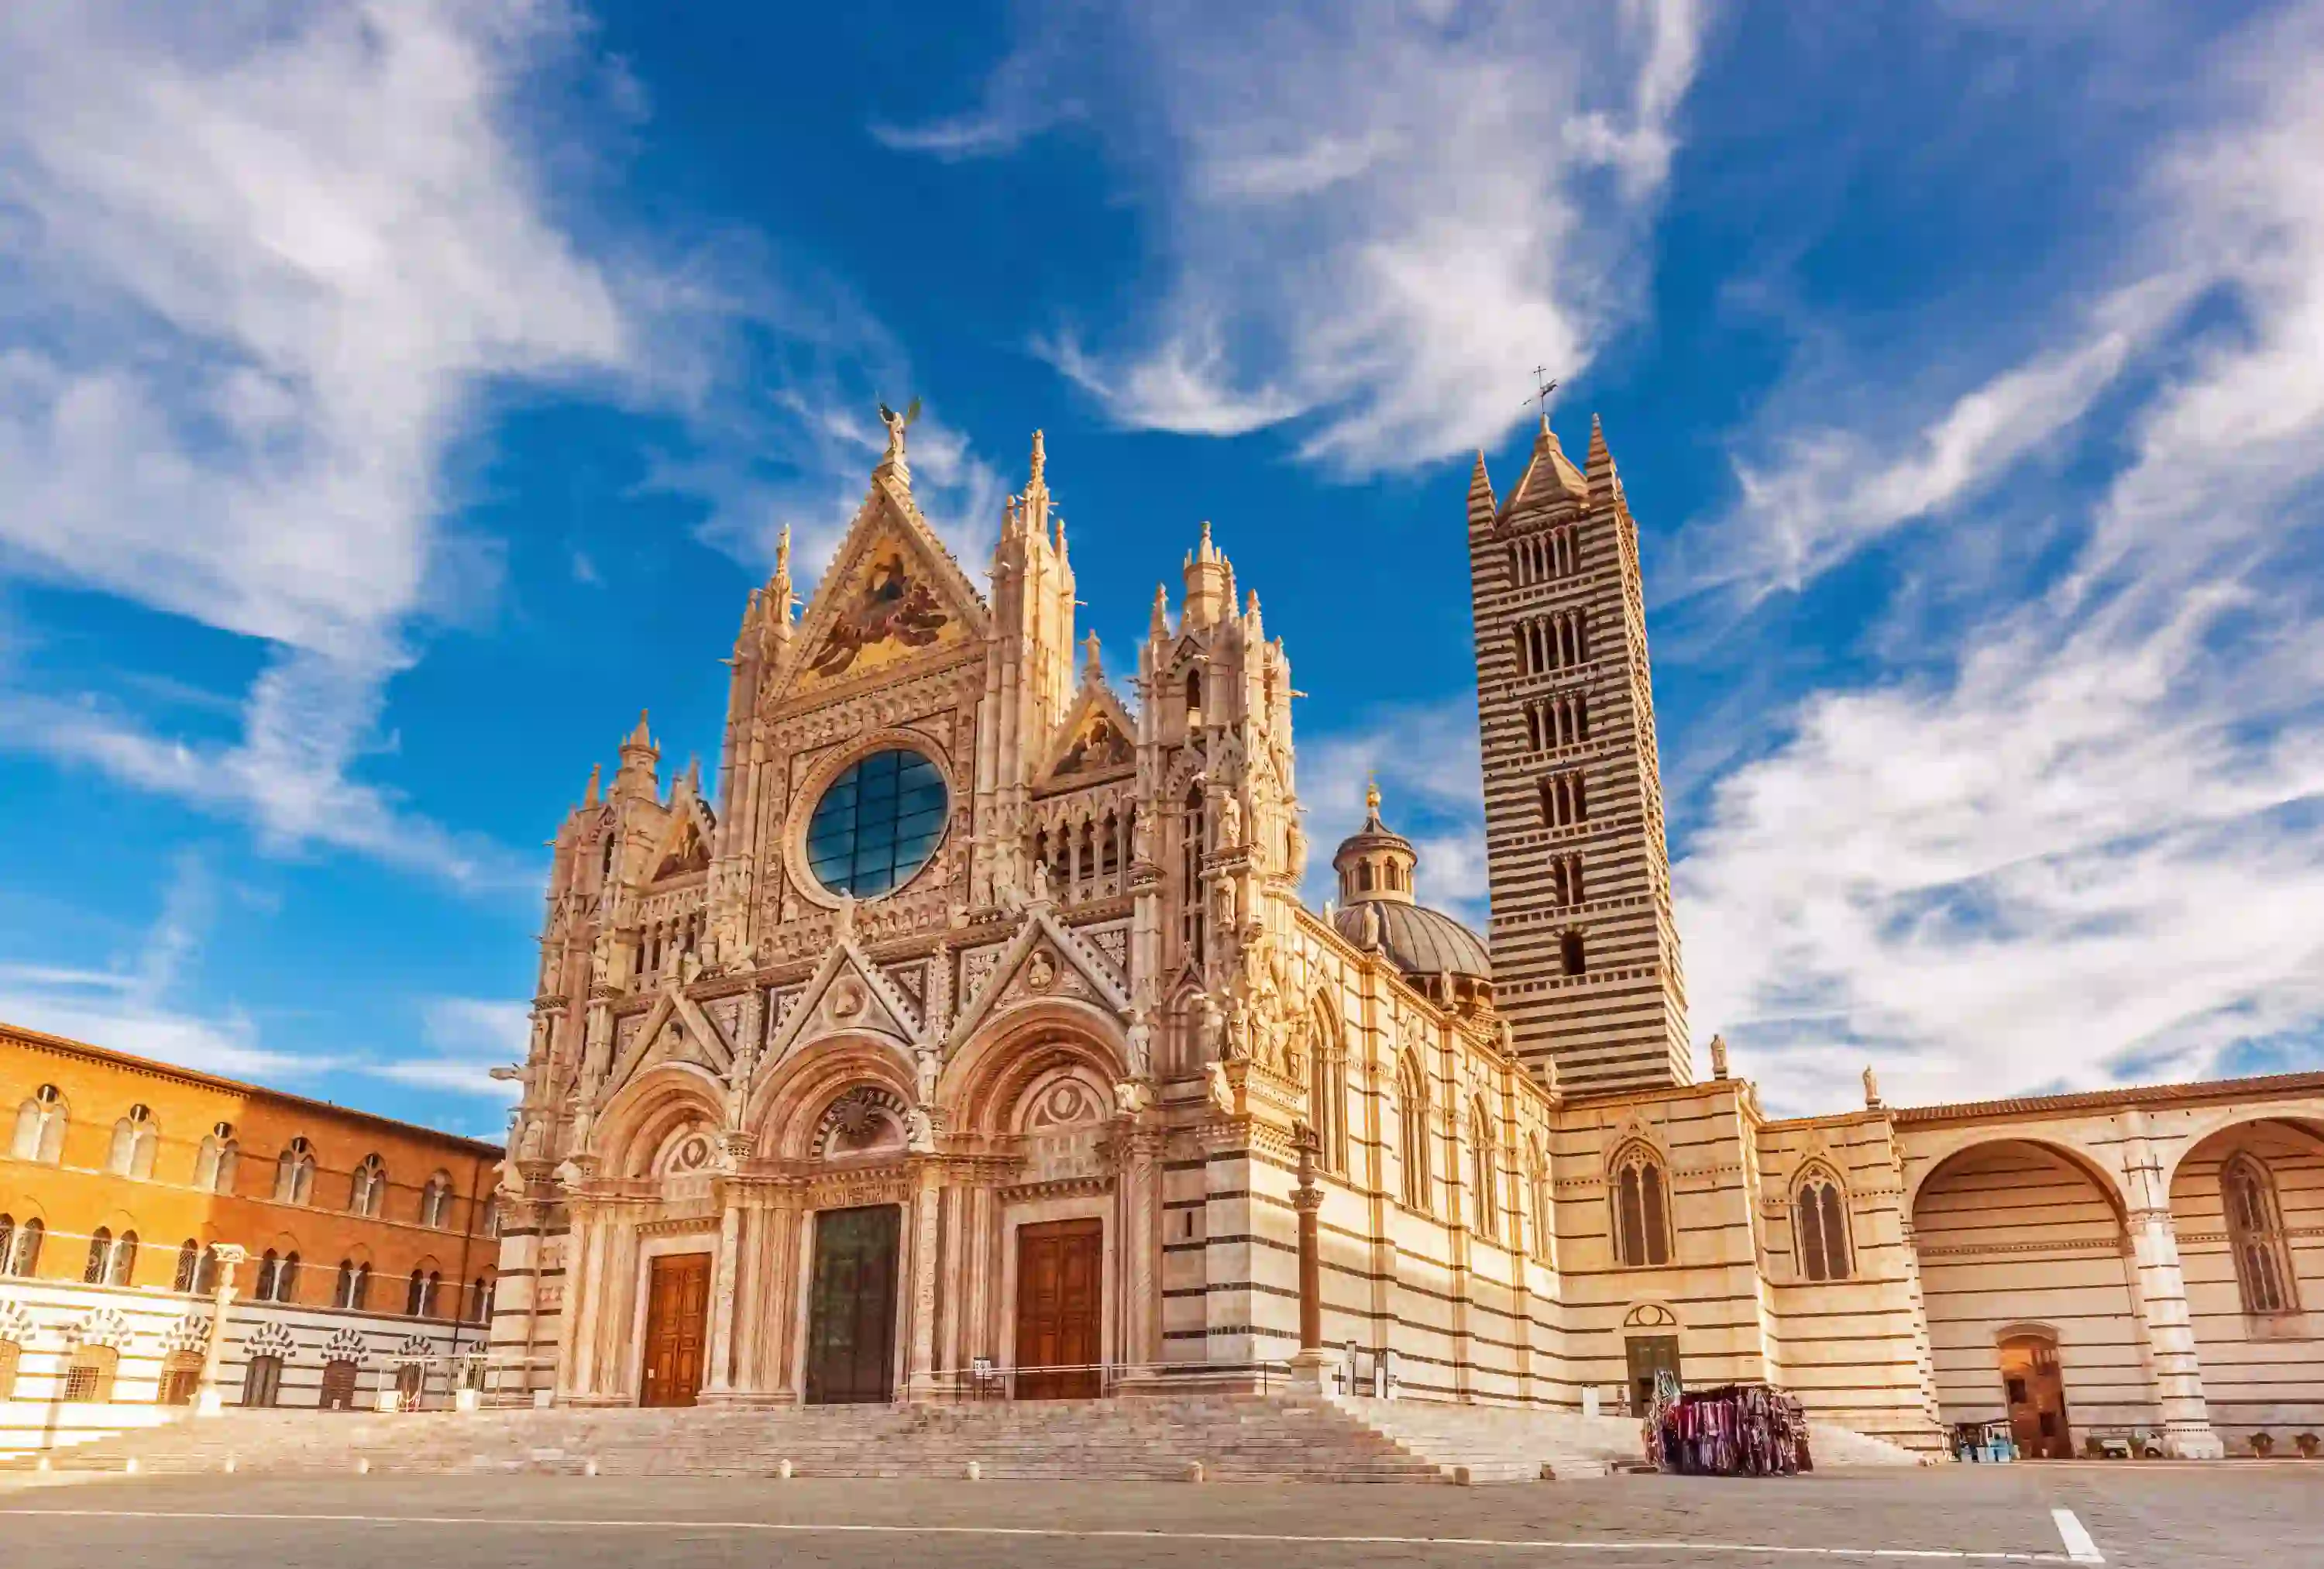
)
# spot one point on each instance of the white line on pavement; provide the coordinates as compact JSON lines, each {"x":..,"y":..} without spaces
{"x":2077,"y":1537}
{"x":1488,"y":1544}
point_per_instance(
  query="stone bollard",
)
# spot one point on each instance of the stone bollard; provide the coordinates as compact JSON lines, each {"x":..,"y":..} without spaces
{"x":1194,"y":1472}
{"x":44,"y":1464}
{"x":975,"y":1471}
{"x":362,"y":1467}
{"x":230,"y":1464}
{"x":1461,"y":1476}
{"x":588,"y":1468}
{"x":783,"y":1470}
{"x":129,"y":1466}
{"x":1548,"y":1471}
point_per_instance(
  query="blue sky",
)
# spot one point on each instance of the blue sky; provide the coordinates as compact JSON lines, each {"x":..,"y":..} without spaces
{"x":394,"y":398}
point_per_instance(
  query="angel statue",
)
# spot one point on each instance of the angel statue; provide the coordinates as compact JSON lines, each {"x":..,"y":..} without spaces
{"x":897,"y":425}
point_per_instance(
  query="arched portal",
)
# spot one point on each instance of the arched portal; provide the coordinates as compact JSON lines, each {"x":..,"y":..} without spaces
{"x":2019,"y":1243}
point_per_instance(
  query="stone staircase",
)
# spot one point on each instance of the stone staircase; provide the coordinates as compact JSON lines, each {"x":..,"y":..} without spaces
{"x":1501,"y":1443}
{"x":1230,"y":1437}
{"x":1495,"y":1444}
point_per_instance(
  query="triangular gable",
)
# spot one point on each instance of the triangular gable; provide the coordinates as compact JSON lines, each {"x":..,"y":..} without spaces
{"x":1016,"y":978}
{"x":709,"y":1046}
{"x":1545,"y":466}
{"x":892,"y":594}
{"x":883,"y":1006}
{"x":686,"y":839}
{"x":1096,"y":740}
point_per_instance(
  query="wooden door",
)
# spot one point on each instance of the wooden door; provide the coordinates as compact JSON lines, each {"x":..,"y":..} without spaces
{"x":2035,"y":1386}
{"x":1649,"y":1354}
{"x":182,"y":1378}
{"x":851,"y":1332}
{"x":1058,"y":1295}
{"x":339,"y":1385}
{"x":677,"y":1316}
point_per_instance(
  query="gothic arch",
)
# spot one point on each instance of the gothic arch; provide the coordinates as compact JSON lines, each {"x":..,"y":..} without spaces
{"x":2310,"y":1127}
{"x":984,"y":1084}
{"x":652,"y":1106}
{"x":2108,"y":1180}
{"x":787,"y":1109}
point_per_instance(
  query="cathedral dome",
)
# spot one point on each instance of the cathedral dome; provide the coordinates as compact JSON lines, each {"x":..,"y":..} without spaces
{"x":1442,"y":957}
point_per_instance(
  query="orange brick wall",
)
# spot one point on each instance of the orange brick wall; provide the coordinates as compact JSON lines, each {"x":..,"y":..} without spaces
{"x":75,"y":1198}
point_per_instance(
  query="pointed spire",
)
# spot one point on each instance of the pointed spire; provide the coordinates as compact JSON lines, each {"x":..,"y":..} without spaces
{"x":1158,"y":627}
{"x":1040,"y":463}
{"x":1091,"y":670}
{"x":635,"y":776}
{"x":589,"y":796}
{"x":1483,"y":507}
{"x":1599,"y":466}
{"x":641,"y":738}
{"x":1256,"y":627}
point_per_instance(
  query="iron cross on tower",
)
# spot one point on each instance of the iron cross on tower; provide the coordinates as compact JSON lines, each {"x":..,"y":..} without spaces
{"x":1547,"y":386}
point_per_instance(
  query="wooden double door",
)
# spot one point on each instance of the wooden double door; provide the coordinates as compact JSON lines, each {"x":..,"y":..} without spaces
{"x":1060,"y":1295}
{"x":678,"y":1321}
{"x":851,"y":1321}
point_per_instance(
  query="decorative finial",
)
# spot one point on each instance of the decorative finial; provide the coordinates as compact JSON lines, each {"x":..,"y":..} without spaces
{"x":1089,"y":661}
{"x":589,"y":796}
{"x":783,"y":552}
{"x":1040,"y":460}
{"x":1159,"y":626}
{"x":1371,"y":794}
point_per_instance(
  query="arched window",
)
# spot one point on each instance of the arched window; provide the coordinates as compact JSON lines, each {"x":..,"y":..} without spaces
{"x":90,"y":1378}
{"x":41,"y":1127}
{"x":343,"y":1293}
{"x":189,"y":1266}
{"x":2256,"y":1232}
{"x":367,"y":1188}
{"x":492,"y":1224}
{"x":1641,"y":1211}
{"x":100,"y":1257}
{"x":1819,"y":1221}
{"x":122,"y":1270}
{"x":134,"y":1141}
{"x":206,"y":1274}
{"x":1483,"y":1170}
{"x":286,"y":1278}
{"x":415,"y":1293}
{"x":480,"y":1295}
{"x":182,"y":1378}
{"x":1192,"y":832}
{"x":1194,"y":697}
{"x":213,"y":1161}
{"x":1412,"y":1106}
{"x":7,"y":1244}
{"x":1543,"y":1207}
{"x":436,"y":1202}
{"x":26,"y":1262}
{"x":1571,"y":955}
{"x":294,"y":1172}
{"x":1327,"y":1096}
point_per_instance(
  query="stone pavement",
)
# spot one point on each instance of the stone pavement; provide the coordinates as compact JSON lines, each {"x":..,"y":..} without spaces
{"x":2140,"y":1516}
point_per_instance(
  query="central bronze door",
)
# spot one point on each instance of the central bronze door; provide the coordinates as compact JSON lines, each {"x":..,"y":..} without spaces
{"x":677,"y":1313}
{"x":2035,"y":1386}
{"x":1057,"y":1303}
{"x":850,"y":1321}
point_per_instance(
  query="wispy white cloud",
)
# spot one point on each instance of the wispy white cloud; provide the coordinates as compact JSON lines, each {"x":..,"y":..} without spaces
{"x":1424,"y":758}
{"x":466,"y":1037}
{"x":2089,"y":849}
{"x":1375,"y":219}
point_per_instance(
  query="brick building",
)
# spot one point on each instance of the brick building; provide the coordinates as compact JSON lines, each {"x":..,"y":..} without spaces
{"x":137,"y":1200}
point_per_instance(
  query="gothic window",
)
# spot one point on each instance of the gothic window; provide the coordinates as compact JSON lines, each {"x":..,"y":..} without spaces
{"x":1570,"y":955}
{"x":278,"y":1278}
{"x":415,"y":1295}
{"x":121,"y":1270}
{"x":1537,"y":1184}
{"x":2255,"y":1232}
{"x":90,"y":1378}
{"x":492,"y":1224}
{"x":1327,"y":1096}
{"x":206,"y":1268}
{"x":1190,"y":873}
{"x":134,"y":1141}
{"x":25,"y":1260}
{"x":294,"y":1172}
{"x":1820,"y":1220}
{"x":100,"y":1255}
{"x":7,"y":1244}
{"x":215,"y":1161}
{"x":1484,"y":1190}
{"x":367,"y":1188}
{"x":1412,"y":1107}
{"x":1641,"y":1219}
{"x":189,"y":1266}
{"x":436,"y":1202}
{"x":480,"y":1294}
{"x":182,"y":1378}
{"x":1533,"y":727}
{"x":343,"y":1291}
{"x":41,"y":1127}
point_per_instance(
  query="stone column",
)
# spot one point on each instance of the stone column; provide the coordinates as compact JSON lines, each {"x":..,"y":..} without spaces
{"x":2162,"y":1302}
{"x":229,"y":1256}
{"x":1308,"y":1199}
{"x":733,"y":1150}
{"x":919,"y":1368}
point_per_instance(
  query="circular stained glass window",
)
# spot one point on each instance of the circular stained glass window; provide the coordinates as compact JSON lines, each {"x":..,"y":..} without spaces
{"x":877,"y":825}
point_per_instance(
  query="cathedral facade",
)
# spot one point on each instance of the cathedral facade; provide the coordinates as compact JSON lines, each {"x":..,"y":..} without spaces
{"x":974,"y":1037}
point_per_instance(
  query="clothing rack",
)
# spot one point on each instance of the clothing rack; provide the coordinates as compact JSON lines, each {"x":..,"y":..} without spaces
{"x":1732,"y":1430}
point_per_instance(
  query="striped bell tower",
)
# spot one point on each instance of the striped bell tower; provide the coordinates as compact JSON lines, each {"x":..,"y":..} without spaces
{"x":1585,"y":952}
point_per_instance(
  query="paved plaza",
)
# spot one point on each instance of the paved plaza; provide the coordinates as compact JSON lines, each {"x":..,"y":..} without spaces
{"x":2148,"y":1517}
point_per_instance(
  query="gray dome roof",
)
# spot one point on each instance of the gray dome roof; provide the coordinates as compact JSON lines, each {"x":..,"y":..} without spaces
{"x":1422,"y":941}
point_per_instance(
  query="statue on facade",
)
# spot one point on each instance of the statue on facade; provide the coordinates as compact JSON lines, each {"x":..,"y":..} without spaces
{"x":1230,"y":820}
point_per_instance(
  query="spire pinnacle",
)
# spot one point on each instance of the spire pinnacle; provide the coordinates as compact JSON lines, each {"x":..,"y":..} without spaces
{"x":641,"y":737}
{"x":1091,"y":669}
{"x":589,"y":795}
{"x":1371,"y":797}
{"x":1040,"y":461}
{"x":1160,"y":626}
